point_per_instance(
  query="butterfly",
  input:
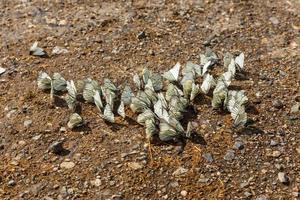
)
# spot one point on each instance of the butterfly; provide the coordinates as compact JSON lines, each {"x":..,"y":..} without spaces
{"x":173,"y":74}
{"x":75,"y":120}
{"x":37,"y":51}
{"x":207,"y":83}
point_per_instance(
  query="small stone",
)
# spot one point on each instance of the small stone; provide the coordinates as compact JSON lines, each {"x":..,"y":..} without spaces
{"x":208,"y":157}
{"x":274,"y":20}
{"x":62,"y":129}
{"x":37,"y":137}
{"x":62,"y":22}
{"x":229,"y":156}
{"x":298,"y":150}
{"x":48,"y":198}
{"x":295,"y":194}
{"x":27,"y":123}
{"x":67,"y":164}
{"x":11,"y":183}
{"x":135,"y":165}
{"x":262,"y":197}
{"x":295,"y":108}
{"x":277,"y":104}
{"x":273,"y":143}
{"x":57,"y":147}
{"x":180,"y":171}
{"x":59,"y":50}
{"x":202,"y":179}
{"x":2,"y":70}
{"x":174,"y":184}
{"x":238,"y":145}
{"x":276,"y":154}
{"x":248,"y":194}
{"x":283,"y":178}
{"x":97,"y":182}
{"x":141,"y":35}
{"x":183,"y":193}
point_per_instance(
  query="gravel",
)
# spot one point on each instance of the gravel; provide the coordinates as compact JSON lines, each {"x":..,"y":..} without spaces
{"x":11,"y":183}
{"x":229,"y":156}
{"x":183,"y":193}
{"x":208,"y":157}
{"x":238,"y":145}
{"x":180,"y":171}
{"x":27,"y":123}
{"x":283,"y":178}
{"x":67,"y":165}
{"x":2,"y":70}
{"x":277,"y":104}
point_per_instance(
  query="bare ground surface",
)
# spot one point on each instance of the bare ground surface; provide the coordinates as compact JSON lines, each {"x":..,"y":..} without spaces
{"x":112,"y":161}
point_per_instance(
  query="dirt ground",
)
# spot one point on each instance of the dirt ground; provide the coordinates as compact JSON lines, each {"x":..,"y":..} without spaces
{"x":107,"y":161}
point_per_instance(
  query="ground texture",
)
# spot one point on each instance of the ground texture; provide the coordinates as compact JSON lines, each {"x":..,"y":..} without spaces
{"x":113,"y":161}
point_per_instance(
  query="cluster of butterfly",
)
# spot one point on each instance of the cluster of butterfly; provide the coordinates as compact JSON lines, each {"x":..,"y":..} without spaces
{"x":161,"y":100}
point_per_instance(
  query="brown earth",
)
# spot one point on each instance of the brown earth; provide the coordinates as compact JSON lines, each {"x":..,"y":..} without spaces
{"x":113,"y":161}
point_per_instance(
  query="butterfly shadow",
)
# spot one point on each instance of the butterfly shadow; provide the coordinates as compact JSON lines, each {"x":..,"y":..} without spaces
{"x":63,"y":152}
{"x":242,"y":76}
{"x":84,"y":128}
{"x":250,"y":130}
{"x":250,"y":108}
{"x":59,"y":102}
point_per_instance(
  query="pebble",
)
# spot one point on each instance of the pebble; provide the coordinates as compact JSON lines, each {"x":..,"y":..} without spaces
{"x":183,"y":193}
{"x":229,"y":156}
{"x":37,"y":137}
{"x":11,"y":183}
{"x":238,"y":145}
{"x":202,"y":179}
{"x":135,"y":165}
{"x":261,"y":197}
{"x":295,"y":194}
{"x":208,"y":157}
{"x":283,"y":178}
{"x":62,"y":129}
{"x":67,"y":164}
{"x":180,"y":171}
{"x":27,"y":123}
{"x":141,"y":35}
{"x":295,"y":108}
{"x":277,"y":104}
{"x":276,"y":154}
{"x":274,"y":20}
{"x":57,"y":147}
{"x":273,"y":143}
{"x":59,"y":50}
{"x":97,"y":182}
{"x":174,"y":184}
{"x":2,"y":70}
{"x":248,"y":194}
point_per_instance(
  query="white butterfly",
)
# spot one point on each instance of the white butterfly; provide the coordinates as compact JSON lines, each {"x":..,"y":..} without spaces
{"x":37,"y":51}
{"x":208,"y":83}
{"x":44,"y":81}
{"x":195,"y":91}
{"x":137,"y":81}
{"x":75,"y":121}
{"x":72,"y":94}
{"x":167,"y":132}
{"x":88,"y":92}
{"x":173,"y":74}
{"x":97,"y":100}
{"x":108,"y":115}
{"x":239,"y":60}
{"x":144,"y":116}
{"x":150,"y":128}
{"x":121,"y":110}
{"x":206,"y":66}
{"x":231,"y":67}
{"x":127,"y":95}
{"x":59,"y":83}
